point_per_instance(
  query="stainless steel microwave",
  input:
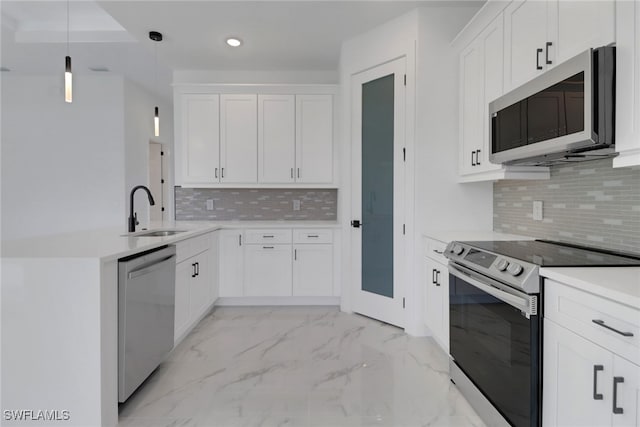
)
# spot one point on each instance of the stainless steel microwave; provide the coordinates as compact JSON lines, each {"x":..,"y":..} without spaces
{"x":566,"y":114}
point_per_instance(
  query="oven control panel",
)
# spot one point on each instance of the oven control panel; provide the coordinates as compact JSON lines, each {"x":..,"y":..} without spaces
{"x":511,"y":271}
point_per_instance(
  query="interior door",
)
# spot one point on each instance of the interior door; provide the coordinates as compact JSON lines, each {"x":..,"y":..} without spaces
{"x":378,"y":113}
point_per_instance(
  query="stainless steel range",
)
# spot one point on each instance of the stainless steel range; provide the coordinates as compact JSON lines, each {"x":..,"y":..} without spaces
{"x":496,"y":321}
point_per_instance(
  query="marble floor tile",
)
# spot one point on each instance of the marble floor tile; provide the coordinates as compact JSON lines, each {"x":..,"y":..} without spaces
{"x":299,"y":366}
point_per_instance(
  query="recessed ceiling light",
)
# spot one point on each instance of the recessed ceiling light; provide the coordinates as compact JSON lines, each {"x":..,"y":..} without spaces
{"x":99,"y":69}
{"x":234,"y":42}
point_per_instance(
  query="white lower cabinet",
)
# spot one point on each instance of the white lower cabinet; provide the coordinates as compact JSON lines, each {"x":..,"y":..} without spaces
{"x":436,"y":293}
{"x":312,"y":270}
{"x":267,"y":270}
{"x":231,"y":259}
{"x":195,"y":284}
{"x":586,"y":380}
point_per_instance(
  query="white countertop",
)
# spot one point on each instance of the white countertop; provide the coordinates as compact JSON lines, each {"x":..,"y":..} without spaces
{"x":473,"y":235}
{"x":113,"y":243}
{"x":621,"y":284}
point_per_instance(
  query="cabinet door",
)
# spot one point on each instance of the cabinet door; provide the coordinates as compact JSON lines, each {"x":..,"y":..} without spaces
{"x":212,"y":273}
{"x":276,"y":138}
{"x":267,"y":270}
{"x":312,"y":270}
{"x":314,"y":138}
{"x":436,"y":302}
{"x":200,"y":286}
{"x":580,"y":25}
{"x":574,"y":370}
{"x":525,"y":24}
{"x":231,"y":263}
{"x":184,"y":273}
{"x":238,"y":139}
{"x":628,"y":392}
{"x":627,"y":83}
{"x":491,"y":41}
{"x":200,"y":138}
{"x":470,"y":106}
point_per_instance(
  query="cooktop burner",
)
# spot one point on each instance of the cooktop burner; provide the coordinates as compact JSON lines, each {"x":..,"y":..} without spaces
{"x":553,"y":254}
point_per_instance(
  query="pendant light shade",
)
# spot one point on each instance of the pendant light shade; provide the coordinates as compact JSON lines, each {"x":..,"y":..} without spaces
{"x":156,"y":123}
{"x":68,"y":80}
{"x":156,"y":37}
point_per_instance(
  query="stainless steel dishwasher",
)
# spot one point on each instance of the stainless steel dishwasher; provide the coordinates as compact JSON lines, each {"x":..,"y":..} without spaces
{"x":146,"y":306}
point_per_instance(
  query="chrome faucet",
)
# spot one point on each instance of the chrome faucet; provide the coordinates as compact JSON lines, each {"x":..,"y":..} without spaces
{"x":133,"y":217}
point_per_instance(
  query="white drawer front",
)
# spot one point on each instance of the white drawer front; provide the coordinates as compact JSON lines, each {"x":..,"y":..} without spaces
{"x":309,"y":235}
{"x":190,"y":247}
{"x":611,"y":325}
{"x":266,"y":236}
{"x":435,"y":249}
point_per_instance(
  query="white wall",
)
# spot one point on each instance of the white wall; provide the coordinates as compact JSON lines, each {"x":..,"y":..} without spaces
{"x":138,"y":124}
{"x":62,"y":164}
{"x":253,"y":77}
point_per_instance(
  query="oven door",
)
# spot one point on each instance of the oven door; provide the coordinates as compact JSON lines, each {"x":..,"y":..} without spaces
{"x":495,"y":341}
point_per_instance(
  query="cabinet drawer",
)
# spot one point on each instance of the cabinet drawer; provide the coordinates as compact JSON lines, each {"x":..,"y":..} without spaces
{"x":266,"y":236}
{"x":434,"y":249}
{"x":309,"y":235}
{"x":612,"y":325}
{"x":190,"y":247}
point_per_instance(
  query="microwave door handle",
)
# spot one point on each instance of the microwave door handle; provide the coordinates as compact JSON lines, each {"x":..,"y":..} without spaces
{"x":520,"y":303}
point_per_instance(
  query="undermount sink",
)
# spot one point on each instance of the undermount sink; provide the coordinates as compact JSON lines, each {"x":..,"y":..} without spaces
{"x":160,"y":233}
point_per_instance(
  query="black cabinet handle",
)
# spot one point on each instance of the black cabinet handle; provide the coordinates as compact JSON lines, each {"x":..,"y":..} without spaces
{"x":239,"y":239}
{"x":298,"y":172}
{"x":356,"y":223}
{"x":216,"y":173}
{"x":438,"y":252}
{"x":267,"y":247}
{"x":291,"y":173}
{"x":437,"y":277}
{"x":549,"y":44}
{"x":267,"y":236}
{"x":433,"y":276}
{"x":473,"y":163}
{"x":315,"y":236}
{"x":604,"y":325}
{"x":295,"y":254}
{"x":194,"y":270}
{"x":222,"y":172}
{"x":197,"y":268}
{"x":616,"y":381}
{"x":596,"y":395}
{"x":477,"y":157}
{"x":538,"y":66}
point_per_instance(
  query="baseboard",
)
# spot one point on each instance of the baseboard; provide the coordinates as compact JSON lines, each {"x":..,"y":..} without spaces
{"x":245,"y":301}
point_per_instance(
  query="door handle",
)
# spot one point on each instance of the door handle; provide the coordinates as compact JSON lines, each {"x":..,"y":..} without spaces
{"x":295,"y":254}
{"x":596,"y":395}
{"x":604,"y":325}
{"x":433,"y":276}
{"x":222,"y":170}
{"x":216,"y":173}
{"x":437,"y":277}
{"x":267,"y":247}
{"x":298,"y":172}
{"x":616,"y":381}
{"x":549,"y":44}
{"x":473,"y":163}
{"x":356,"y":223}
{"x":538,"y":66}
{"x":291,"y":173}
{"x":197,"y":269}
{"x":477,"y":157}
{"x":194,"y":270}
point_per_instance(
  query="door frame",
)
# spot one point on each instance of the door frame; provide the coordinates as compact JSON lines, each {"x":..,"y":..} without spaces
{"x":371,"y":304}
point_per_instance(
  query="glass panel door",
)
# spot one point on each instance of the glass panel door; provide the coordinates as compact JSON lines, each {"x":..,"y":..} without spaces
{"x":377,"y":185}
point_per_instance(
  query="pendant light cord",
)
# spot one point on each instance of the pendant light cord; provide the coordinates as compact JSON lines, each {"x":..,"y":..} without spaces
{"x":67,"y":27}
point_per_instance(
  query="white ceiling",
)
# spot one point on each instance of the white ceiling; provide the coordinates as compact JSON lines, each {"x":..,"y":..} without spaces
{"x":278,"y":35}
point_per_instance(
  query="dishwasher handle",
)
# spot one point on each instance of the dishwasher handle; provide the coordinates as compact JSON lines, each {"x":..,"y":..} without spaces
{"x":148,"y":269}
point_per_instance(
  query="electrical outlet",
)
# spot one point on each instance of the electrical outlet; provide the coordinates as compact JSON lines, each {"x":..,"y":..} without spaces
{"x":537,"y":210}
{"x":209,"y":204}
{"x":296,"y":205}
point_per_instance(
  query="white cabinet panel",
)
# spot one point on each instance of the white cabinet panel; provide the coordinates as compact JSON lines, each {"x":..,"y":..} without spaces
{"x":525,"y":41}
{"x":581,"y":25}
{"x":627,"y":83}
{"x":575,"y":369}
{"x":268,"y":236}
{"x":313,"y":270}
{"x":314,"y":138}
{"x":200,"y":287}
{"x":470,"y":107}
{"x":627,"y":377}
{"x":231,"y":263}
{"x":276,"y":138}
{"x":436,"y":302}
{"x":267,"y":270}
{"x":213,"y":273}
{"x":238,"y":139}
{"x":184,"y":271}
{"x":200,"y":138}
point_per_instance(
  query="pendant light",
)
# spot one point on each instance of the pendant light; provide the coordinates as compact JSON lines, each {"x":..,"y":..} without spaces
{"x":68,"y":77}
{"x":156,"y":37}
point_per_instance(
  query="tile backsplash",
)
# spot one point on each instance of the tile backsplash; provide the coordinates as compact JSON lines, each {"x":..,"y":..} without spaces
{"x":588,"y":203}
{"x":254,"y":204}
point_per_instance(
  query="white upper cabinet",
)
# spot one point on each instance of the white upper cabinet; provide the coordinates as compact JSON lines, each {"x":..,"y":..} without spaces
{"x":200,"y":134}
{"x":276,"y":138}
{"x":627,"y":83}
{"x":314,"y":139}
{"x":526,"y":36}
{"x":540,"y":34}
{"x":238,"y":139}
{"x":481,"y":81}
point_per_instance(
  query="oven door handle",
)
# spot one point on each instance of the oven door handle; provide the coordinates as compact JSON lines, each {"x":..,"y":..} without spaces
{"x":522,"y":303}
